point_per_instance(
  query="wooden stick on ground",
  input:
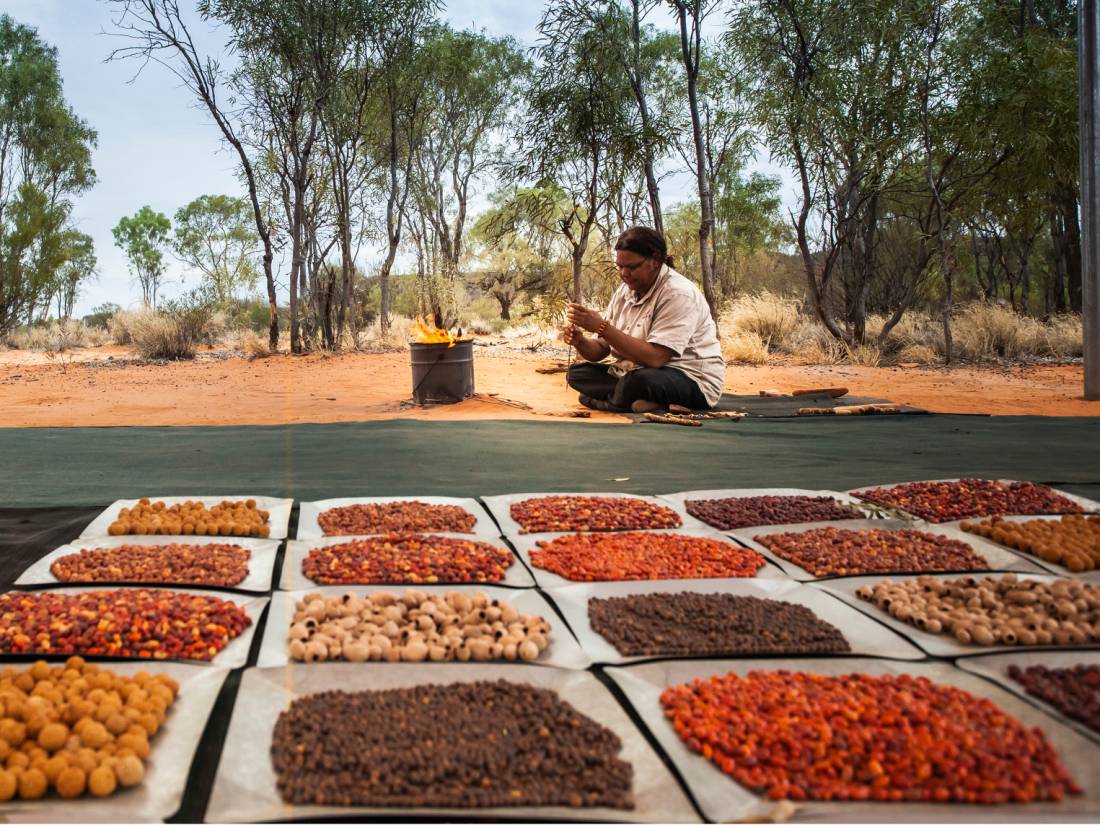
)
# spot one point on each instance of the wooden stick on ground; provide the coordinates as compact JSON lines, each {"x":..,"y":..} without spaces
{"x":657,"y":418}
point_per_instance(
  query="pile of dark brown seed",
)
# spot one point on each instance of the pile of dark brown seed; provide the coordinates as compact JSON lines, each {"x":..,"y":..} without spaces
{"x":1073,"y":691}
{"x":475,"y":745}
{"x":710,"y":624}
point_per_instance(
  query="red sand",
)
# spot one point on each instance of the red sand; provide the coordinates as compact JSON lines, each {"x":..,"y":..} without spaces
{"x":84,"y":388}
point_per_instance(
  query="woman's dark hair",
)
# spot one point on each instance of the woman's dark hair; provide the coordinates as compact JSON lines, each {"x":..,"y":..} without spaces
{"x":649,"y":243}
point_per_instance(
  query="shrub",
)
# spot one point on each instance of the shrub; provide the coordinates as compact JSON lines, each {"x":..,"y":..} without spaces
{"x":175,"y":330}
{"x":101,"y":315}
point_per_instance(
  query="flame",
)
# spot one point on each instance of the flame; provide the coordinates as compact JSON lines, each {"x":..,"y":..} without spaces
{"x":427,"y":332}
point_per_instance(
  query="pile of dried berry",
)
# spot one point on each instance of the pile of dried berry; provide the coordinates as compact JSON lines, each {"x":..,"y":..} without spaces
{"x":890,"y":738}
{"x":396,"y":516}
{"x":1072,"y":691}
{"x":987,"y":611}
{"x":407,"y":558}
{"x":756,"y":511}
{"x":413,"y":627}
{"x":474,"y":745}
{"x":710,"y":624}
{"x":830,"y":551}
{"x":132,"y":623}
{"x":1072,"y":541}
{"x":938,"y":501}
{"x":227,"y":518}
{"x":77,"y":729}
{"x":559,"y":514}
{"x":630,"y":555}
{"x":225,"y":565}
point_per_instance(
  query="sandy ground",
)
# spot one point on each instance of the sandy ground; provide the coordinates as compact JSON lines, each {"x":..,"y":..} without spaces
{"x":106,"y":386}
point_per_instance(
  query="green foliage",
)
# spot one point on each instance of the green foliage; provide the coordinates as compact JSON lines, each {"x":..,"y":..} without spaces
{"x":46,"y":159}
{"x":216,"y":235}
{"x":100,"y":315}
{"x":144,"y":237}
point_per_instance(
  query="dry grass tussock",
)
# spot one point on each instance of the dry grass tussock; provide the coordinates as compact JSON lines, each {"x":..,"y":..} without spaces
{"x":756,"y":327}
{"x":58,"y":336}
{"x":744,"y":347}
{"x":374,"y":339}
{"x":772,"y":318}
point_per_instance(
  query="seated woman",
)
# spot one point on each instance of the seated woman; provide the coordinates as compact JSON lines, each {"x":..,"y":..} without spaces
{"x":658,"y":331}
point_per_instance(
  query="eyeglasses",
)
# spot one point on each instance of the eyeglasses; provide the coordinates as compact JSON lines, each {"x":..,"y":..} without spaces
{"x":630,"y":268}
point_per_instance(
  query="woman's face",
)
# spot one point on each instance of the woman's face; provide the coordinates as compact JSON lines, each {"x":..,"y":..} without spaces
{"x":636,"y":271}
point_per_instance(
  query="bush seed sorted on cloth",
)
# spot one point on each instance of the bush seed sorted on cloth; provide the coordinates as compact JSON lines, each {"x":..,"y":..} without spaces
{"x":805,"y":736}
{"x":635,"y":555}
{"x":559,"y":514}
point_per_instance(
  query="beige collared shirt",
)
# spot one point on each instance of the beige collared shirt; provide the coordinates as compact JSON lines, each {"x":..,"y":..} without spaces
{"x":674,"y":314}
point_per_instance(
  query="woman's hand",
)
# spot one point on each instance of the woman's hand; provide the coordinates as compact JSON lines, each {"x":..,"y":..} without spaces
{"x":586,"y":319}
{"x":571,"y":335}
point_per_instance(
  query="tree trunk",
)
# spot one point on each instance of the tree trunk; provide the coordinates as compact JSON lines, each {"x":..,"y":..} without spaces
{"x":651,"y":185}
{"x":690,"y":47}
{"x":1069,"y":249}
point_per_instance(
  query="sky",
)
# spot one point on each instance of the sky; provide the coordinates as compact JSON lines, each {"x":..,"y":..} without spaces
{"x":156,"y":147}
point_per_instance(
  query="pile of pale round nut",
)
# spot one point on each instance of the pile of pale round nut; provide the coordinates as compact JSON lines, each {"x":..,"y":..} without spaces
{"x":413,"y":627}
{"x":1000,"y":610}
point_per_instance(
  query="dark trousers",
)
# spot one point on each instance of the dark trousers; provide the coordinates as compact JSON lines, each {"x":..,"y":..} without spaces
{"x":663,"y":385}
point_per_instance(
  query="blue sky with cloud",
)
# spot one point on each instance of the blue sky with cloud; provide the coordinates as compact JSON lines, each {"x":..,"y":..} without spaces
{"x":156,"y":146}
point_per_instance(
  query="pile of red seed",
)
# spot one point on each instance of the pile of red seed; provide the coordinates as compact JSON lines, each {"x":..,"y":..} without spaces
{"x":131,"y":623}
{"x":756,"y":511}
{"x":1072,"y":691}
{"x":938,"y":501}
{"x":475,"y":745}
{"x":830,"y":551}
{"x":224,"y":565}
{"x":633,"y":555}
{"x":396,"y":516}
{"x":407,"y":558}
{"x":560,"y":514}
{"x":890,"y":738}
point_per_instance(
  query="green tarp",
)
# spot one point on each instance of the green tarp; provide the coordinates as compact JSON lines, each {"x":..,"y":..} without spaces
{"x":85,"y":466}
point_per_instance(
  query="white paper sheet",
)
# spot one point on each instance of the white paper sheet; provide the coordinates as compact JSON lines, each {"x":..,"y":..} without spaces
{"x":278,"y":510}
{"x":245,"y":789}
{"x":261,"y":562}
{"x":723,"y":799}
{"x":517,"y":575}
{"x":998,"y":558}
{"x":308,"y":511}
{"x":935,"y":644}
{"x":865,"y":637}
{"x":501,"y":508}
{"x":563,"y":650}
{"x":1088,"y":504}
{"x":525,"y":544}
{"x":234,"y":654}
{"x":173,"y":749}
{"x":995,"y":667}
{"x":1092,"y":576}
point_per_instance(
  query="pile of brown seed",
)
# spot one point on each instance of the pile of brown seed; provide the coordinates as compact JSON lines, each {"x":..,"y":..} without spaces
{"x":475,"y":745}
{"x":988,"y":611}
{"x":413,"y":627}
{"x":830,"y":551}
{"x":710,"y":624}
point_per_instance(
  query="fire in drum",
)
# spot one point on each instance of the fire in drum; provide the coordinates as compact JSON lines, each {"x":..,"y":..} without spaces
{"x":442,"y":364}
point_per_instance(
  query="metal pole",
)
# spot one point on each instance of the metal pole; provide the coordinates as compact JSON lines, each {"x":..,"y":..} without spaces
{"x":1088,"y":61}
